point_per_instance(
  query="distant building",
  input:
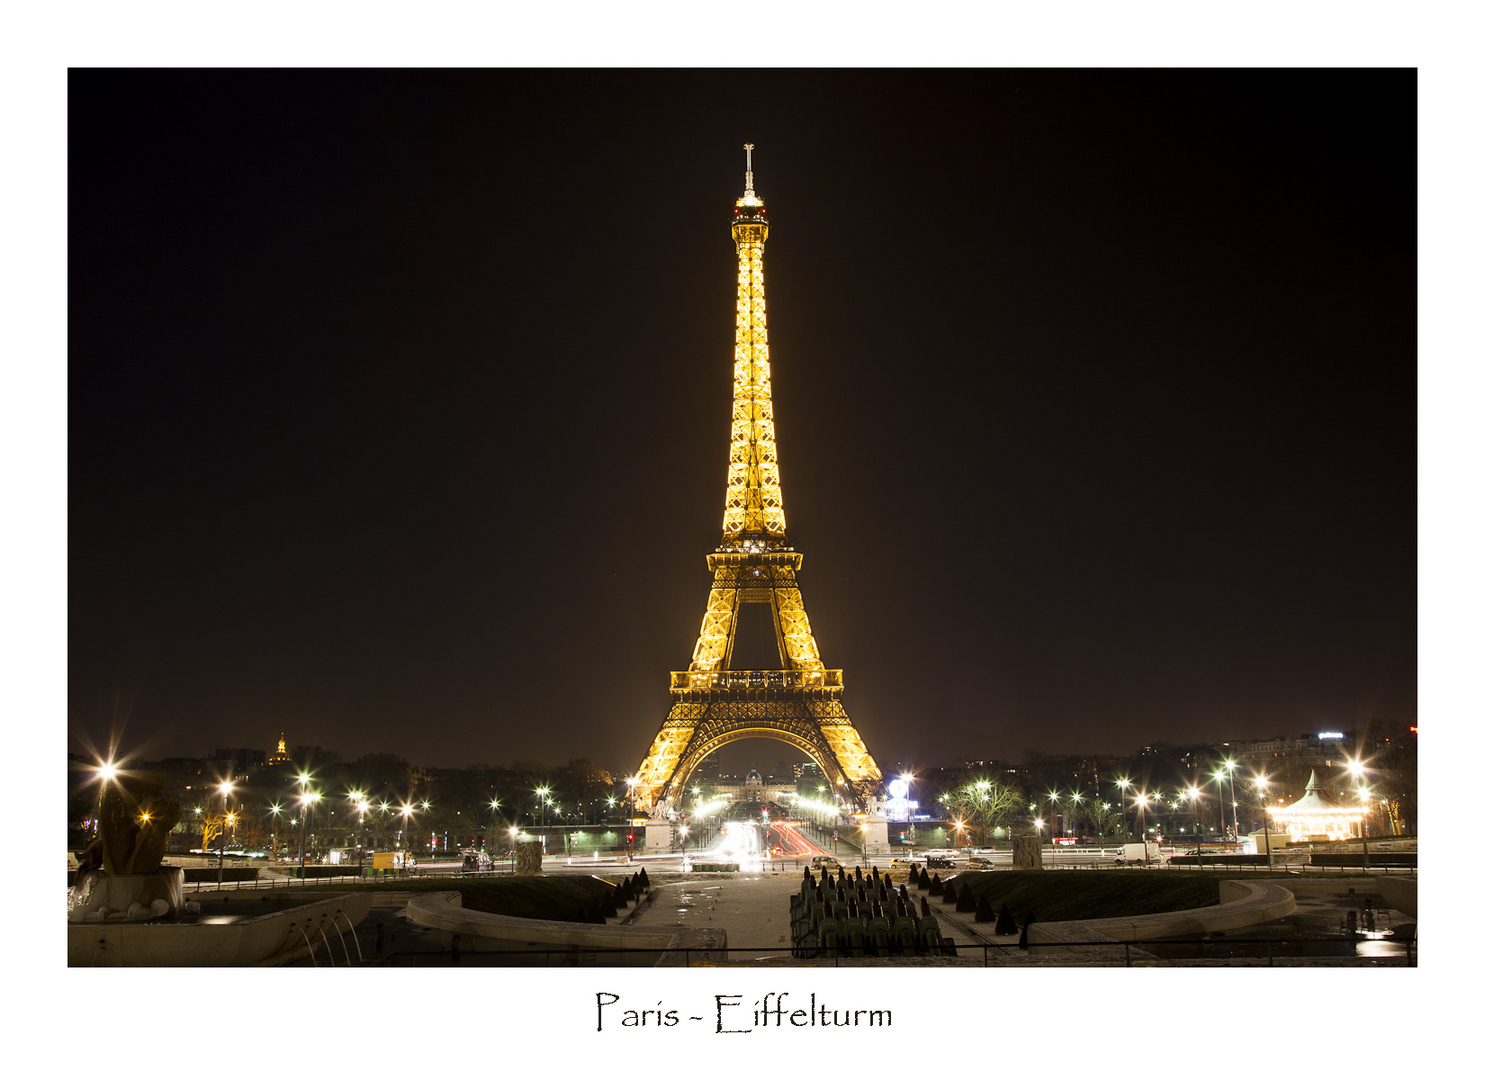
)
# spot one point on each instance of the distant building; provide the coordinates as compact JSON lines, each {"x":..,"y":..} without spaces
{"x":754,"y":788}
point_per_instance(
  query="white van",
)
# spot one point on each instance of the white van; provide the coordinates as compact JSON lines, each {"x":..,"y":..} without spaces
{"x":1145,"y":854}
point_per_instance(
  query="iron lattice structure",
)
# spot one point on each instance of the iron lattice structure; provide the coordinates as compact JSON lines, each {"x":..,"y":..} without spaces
{"x":711,"y":704}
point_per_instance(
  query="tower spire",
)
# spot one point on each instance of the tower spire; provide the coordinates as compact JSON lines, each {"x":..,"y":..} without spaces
{"x":754,"y":513}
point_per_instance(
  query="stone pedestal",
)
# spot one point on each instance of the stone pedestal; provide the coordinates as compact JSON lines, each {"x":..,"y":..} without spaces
{"x":658,"y":833}
{"x":1026,"y":851}
{"x":528,"y":858}
{"x":874,"y":835}
{"x":1274,"y":839}
{"x":98,"y":895}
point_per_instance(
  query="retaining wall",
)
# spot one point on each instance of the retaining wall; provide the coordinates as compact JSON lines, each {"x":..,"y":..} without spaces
{"x":1243,"y":903}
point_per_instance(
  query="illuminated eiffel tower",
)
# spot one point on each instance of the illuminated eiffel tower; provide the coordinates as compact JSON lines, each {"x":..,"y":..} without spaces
{"x":711,"y":703}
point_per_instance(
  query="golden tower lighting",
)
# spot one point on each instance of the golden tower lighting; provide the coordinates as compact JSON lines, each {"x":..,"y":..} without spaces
{"x":713,"y":704}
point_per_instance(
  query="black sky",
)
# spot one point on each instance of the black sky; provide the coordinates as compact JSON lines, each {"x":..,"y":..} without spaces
{"x":398,"y":402}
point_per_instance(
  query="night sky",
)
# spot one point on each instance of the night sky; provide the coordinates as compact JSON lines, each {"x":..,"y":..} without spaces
{"x":398,"y":402}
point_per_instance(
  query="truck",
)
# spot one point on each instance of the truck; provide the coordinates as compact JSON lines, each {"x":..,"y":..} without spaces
{"x":1146,"y":853}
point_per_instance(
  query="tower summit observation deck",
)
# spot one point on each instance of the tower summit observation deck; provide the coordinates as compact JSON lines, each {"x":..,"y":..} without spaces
{"x":799,"y":702}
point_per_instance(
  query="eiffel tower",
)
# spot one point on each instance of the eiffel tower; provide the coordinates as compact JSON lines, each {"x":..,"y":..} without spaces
{"x":711,"y":703}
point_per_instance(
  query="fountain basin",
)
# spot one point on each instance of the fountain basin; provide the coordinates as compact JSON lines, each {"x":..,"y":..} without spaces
{"x":271,"y":938}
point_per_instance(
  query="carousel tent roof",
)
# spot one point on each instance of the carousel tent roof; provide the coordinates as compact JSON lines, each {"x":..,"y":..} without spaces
{"x":1315,"y":800}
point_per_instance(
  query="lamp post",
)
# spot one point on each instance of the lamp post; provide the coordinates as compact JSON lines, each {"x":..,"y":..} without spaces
{"x":515,"y":831}
{"x":630,"y":781}
{"x":1232,"y":767}
{"x":106,"y":772}
{"x":1141,"y":800}
{"x":1261,"y":782}
{"x":1226,"y":771}
{"x":407,"y":813}
{"x":1358,"y":770}
{"x":226,"y":789}
{"x":361,"y":807}
{"x":1123,"y":783}
{"x":306,"y":800}
{"x":1194,"y":794}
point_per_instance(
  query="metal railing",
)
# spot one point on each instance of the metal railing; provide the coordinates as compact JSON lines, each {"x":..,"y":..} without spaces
{"x":826,"y":678}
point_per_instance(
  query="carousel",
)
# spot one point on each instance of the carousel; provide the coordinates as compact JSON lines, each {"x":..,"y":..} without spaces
{"x":1317,"y":816}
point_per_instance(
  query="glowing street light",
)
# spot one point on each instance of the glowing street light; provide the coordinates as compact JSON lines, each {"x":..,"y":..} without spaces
{"x":307,"y":799}
{"x":226,"y":789}
{"x":631,"y":782}
{"x":1225,"y":771}
{"x":407,"y":836}
{"x":1358,"y":770}
{"x":107,"y":771}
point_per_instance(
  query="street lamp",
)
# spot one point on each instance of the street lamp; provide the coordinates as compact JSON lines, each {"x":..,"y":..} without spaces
{"x":407,"y":813}
{"x":1141,"y":800}
{"x":1222,"y":771}
{"x":306,"y":800}
{"x":226,"y":789}
{"x":1194,"y":794}
{"x":1123,"y":783}
{"x":631,"y":781}
{"x":107,"y":770}
{"x":1358,"y":770}
{"x":1261,"y":783}
{"x":361,"y":807}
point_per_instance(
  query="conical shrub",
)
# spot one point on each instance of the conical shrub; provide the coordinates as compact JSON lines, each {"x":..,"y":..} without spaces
{"x":610,"y":909}
{"x":913,"y":875}
{"x":1030,"y":918}
{"x":950,"y":893}
{"x":966,"y":901}
{"x":935,"y":887}
{"x":1005,"y":924}
{"x":983,"y":910}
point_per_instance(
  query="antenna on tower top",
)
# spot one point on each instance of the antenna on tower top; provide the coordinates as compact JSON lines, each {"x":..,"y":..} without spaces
{"x":748,"y":178}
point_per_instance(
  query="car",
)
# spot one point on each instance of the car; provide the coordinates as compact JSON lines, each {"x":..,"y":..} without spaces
{"x":775,"y":850}
{"x":977,"y":862}
{"x":907,"y":862}
{"x":940,"y":862}
{"x":825,"y":862}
